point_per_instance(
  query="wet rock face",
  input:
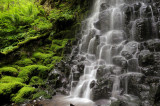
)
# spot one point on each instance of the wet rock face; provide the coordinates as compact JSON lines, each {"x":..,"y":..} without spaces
{"x":120,"y":61}
{"x":146,"y":58}
{"x":104,"y":6}
{"x":153,"y":45}
{"x":126,"y":54}
{"x":102,"y":89}
{"x":147,"y":33}
{"x":145,"y":47}
{"x":149,"y":60}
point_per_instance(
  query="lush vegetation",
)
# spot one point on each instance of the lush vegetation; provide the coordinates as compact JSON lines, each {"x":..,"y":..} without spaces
{"x":33,"y":37}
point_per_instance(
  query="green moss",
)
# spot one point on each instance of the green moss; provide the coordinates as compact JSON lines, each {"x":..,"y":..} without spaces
{"x":58,"y":46}
{"x":42,"y":56}
{"x":41,"y":93}
{"x":55,"y":60}
{"x":58,"y":14}
{"x":9,"y":71}
{"x":41,"y":24}
{"x":116,"y":103}
{"x":23,"y":94}
{"x":36,"y":81}
{"x":24,"y":62}
{"x":33,"y":70}
{"x":6,"y":89}
{"x":9,"y":79}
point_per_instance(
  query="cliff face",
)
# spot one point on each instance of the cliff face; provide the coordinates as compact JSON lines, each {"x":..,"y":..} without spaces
{"x":34,"y":37}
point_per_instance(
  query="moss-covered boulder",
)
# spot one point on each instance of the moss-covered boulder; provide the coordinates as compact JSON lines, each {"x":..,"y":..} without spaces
{"x":33,"y":70}
{"x":35,"y":80}
{"x":24,"y":62}
{"x":40,"y":93}
{"x":7,"y":89}
{"x":23,"y":94}
{"x":9,"y":71}
{"x":10,"y":79}
{"x":58,"y":46}
{"x":43,"y":58}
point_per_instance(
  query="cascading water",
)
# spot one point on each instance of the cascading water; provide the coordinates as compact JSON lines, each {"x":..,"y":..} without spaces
{"x":109,"y":51}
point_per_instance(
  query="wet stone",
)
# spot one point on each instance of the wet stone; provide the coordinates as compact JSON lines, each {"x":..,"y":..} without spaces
{"x":76,"y":76}
{"x":146,"y":58}
{"x":126,"y":54}
{"x":120,"y":61}
{"x":133,"y":65}
{"x":104,"y":6}
{"x":102,"y":70}
{"x":93,"y":83}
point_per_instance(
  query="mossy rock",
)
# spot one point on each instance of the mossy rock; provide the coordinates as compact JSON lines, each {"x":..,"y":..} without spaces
{"x":33,"y":70}
{"x":7,"y":89}
{"x":43,"y":58}
{"x":55,"y":60}
{"x":115,"y":103}
{"x":41,"y":93}
{"x":9,"y":71}
{"x":58,"y":46}
{"x":35,"y":80}
{"x":10,"y":79}
{"x":24,"y":62}
{"x":23,"y":94}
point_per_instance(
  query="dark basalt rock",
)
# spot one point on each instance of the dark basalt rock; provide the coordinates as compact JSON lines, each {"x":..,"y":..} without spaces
{"x":80,"y":67}
{"x":153,"y":45}
{"x":93,"y":83}
{"x":146,"y":58}
{"x":157,"y":96}
{"x":104,"y":6}
{"x":104,"y":19}
{"x":72,"y":105}
{"x":126,"y":54}
{"x":148,"y":71}
{"x":120,"y":61}
{"x":133,"y":65}
{"x":103,"y":71}
{"x":97,"y":25}
{"x":115,"y":50}
{"x":76,"y":75}
{"x":131,"y":47}
{"x":103,"y":88}
{"x":137,"y":6}
{"x":143,"y":29}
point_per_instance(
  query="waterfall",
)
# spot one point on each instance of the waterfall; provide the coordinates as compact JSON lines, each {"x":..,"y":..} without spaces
{"x":113,"y":36}
{"x":110,"y":52}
